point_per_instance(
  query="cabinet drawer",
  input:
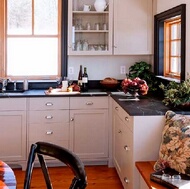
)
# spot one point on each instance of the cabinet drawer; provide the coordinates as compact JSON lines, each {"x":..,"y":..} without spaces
{"x":49,"y":116}
{"x":48,"y":132}
{"x":125,"y":117}
{"x":13,"y":104}
{"x":88,"y":102}
{"x":49,"y":103}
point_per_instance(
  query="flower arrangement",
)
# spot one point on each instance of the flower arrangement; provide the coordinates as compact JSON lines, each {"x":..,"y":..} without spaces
{"x":177,"y":94}
{"x":134,"y":86}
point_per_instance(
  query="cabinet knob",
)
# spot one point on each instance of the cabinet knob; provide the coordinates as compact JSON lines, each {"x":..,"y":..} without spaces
{"x":72,"y":119}
{"x":116,"y":108}
{"x":49,"y":132}
{"x":89,"y":103}
{"x":126,"y":148}
{"x":126,"y":119}
{"x":49,"y":104}
{"x":49,"y":117}
{"x":126,"y":180}
{"x":119,"y":131}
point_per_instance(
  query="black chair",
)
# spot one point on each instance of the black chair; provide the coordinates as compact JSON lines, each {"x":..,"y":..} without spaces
{"x":70,"y":159}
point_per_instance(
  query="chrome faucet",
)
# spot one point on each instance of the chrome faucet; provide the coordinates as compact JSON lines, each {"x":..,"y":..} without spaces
{"x":4,"y":82}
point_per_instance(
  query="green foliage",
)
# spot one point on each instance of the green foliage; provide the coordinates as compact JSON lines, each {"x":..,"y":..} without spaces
{"x":143,"y":70}
{"x":176,"y":93}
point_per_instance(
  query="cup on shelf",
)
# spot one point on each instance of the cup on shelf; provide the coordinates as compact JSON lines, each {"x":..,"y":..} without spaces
{"x":86,"y":8}
{"x":97,"y":26}
{"x":104,"y":26}
{"x":88,"y":26}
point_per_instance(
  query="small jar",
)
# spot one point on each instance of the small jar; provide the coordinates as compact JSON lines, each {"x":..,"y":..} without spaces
{"x":25,"y":85}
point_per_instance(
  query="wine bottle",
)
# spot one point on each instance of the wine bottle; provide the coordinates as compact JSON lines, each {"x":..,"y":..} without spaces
{"x":80,"y":77}
{"x":85,"y":80}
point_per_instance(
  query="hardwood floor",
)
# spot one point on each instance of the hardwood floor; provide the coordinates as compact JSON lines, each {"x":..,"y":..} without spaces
{"x":99,"y":177}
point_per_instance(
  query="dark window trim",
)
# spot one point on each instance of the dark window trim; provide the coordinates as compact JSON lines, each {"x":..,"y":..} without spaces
{"x":159,"y":38}
{"x":64,"y":35}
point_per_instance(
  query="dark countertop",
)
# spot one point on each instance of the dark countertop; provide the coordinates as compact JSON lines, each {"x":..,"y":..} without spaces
{"x":148,"y":105}
{"x":41,"y":93}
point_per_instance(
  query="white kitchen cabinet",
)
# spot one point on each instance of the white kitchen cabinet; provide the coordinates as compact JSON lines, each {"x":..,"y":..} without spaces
{"x":13,"y":130}
{"x":135,"y":138}
{"x":143,"y":184}
{"x":89,"y":32}
{"x":89,"y":127}
{"x":48,"y":120}
{"x":133,"y":27}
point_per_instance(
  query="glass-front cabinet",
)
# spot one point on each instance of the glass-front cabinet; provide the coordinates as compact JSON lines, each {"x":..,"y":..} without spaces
{"x":90,"y":28}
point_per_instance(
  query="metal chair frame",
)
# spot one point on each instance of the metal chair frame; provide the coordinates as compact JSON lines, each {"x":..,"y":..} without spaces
{"x":70,"y":159}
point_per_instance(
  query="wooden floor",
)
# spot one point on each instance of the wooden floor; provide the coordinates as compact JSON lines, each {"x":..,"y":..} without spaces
{"x":99,"y":177}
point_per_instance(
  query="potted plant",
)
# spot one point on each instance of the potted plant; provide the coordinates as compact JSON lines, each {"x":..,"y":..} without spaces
{"x":177,"y":94}
{"x":143,"y":70}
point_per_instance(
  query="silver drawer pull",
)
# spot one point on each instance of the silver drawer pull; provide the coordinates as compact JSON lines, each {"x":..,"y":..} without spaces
{"x":126,"y":180}
{"x":49,"y":132}
{"x":126,"y":119}
{"x":49,"y":117}
{"x":49,"y":104}
{"x":126,"y":148}
{"x":89,"y":103}
{"x":116,"y":108}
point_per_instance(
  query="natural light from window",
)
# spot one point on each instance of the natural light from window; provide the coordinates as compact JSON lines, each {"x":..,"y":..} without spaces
{"x":32,"y":38}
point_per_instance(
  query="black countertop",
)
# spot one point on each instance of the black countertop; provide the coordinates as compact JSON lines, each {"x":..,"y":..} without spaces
{"x":147,"y":105}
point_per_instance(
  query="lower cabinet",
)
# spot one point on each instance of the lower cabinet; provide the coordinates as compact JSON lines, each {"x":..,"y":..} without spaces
{"x":135,"y":138}
{"x":89,"y":127}
{"x":13,"y":130}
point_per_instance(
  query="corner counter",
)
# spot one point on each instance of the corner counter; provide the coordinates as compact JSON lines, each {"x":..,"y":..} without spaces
{"x":146,"y":106}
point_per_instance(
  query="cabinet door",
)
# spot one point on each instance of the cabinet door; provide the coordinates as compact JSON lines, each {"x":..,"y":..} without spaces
{"x":89,"y":32}
{"x":13,"y":136}
{"x":89,"y":130}
{"x":132,"y":27}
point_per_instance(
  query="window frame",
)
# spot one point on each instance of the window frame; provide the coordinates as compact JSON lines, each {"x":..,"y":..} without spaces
{"x":62,"y":44}
{"x":159,"y":38}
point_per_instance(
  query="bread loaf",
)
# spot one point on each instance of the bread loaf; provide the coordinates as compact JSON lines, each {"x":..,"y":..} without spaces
{"x":109,"y":80}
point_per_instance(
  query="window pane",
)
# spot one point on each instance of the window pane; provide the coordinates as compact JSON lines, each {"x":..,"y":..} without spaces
{"x":19,"y":16}
{"x":175,"y":48}
{"x":175,"y":65}
{"x":174,"y":31}
{"x":46,"y":18}
{"x":32,"y":56}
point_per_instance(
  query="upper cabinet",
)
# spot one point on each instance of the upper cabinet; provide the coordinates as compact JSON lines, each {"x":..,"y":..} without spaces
{"x":132,"y":27}
{"x":90,"y":27}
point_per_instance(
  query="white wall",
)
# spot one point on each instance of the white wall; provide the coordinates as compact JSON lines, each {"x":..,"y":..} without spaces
{"x":163,"y":5}
{"x":99,"y":67}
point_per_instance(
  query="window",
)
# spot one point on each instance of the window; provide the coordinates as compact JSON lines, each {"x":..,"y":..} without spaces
{"x":170,"y":43}
{"x":31,"y":35}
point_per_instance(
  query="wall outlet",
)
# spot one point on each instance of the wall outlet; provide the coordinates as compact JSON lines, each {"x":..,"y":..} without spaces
{"x":122,"y":69}
{"x":71,"y":70}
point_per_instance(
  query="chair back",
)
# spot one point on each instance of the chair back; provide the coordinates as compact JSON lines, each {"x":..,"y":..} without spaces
{"x":70,"y":159}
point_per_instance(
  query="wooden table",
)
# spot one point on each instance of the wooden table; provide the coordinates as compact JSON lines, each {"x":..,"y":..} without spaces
{"x":145,"y":168}
{"x":7,"y":177}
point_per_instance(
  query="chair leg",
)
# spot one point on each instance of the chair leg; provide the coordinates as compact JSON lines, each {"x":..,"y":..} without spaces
{"x":45,"y":171}
{"x":30,"y":165}
{"x":74,"y":183}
